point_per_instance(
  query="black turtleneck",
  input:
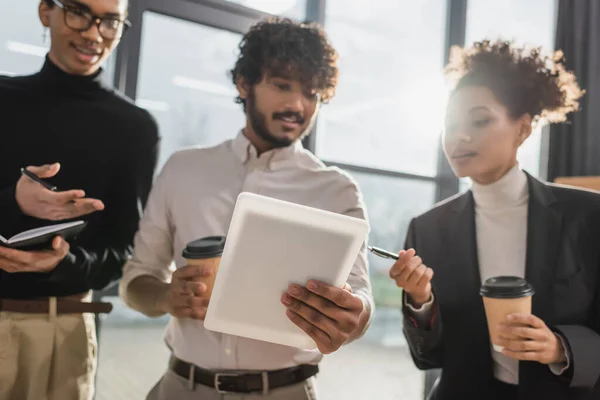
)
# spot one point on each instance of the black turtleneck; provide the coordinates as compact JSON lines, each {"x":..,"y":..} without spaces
{"x":106,"y":146}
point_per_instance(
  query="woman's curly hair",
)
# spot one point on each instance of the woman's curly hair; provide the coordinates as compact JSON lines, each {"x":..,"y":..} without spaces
{"x":523,"y":79}
{"x":283,"y":48}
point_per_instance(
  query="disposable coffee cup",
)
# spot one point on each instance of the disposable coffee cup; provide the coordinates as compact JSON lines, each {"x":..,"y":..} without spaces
{"x":502,"y":296}
{"x":206,"y":252}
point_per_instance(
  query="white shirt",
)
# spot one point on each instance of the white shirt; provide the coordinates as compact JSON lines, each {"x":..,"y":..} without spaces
{"x":194,"y":196}
{"x":501,"y":229}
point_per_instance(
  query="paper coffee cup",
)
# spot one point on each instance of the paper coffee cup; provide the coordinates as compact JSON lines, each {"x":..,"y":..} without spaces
{"x":206,"y":252}
{"x":502,"y":296}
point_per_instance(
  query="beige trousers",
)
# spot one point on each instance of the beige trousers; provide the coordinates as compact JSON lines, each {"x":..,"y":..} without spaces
{"x":45,"y":357}
{"x":173,"y":387}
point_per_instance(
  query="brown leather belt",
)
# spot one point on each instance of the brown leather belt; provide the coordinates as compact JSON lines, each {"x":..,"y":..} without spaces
{"x":62,"y":306}
{"x":242,"y":382}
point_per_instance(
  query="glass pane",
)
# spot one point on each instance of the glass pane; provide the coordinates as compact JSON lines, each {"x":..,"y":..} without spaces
{"x":22,"y":47}
{"x":526,"y":22}
{"x":193,"y":98}
{"x":389,"y":108}
{"x":193,"y":102}
{"x":22,"y":43}
{"x":391,"y":204}
{"x":295,"y":9}
{"x":382,"y":352}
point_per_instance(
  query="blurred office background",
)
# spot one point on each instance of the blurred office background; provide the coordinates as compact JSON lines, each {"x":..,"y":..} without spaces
{"x":383,"y":127}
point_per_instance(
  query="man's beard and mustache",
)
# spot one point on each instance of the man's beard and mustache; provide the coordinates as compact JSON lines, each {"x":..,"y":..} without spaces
{"x":258,"y":121}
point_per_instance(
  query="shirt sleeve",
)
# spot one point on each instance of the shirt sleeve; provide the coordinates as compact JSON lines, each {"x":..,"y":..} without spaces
{"x":153,"y":244}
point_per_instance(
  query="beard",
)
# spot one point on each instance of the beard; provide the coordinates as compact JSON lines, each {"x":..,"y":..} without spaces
{"x":258,"y":121}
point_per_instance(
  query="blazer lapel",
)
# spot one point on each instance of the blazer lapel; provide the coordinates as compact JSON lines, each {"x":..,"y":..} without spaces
{"x":460,"y":236}
{"x":544,"y":225}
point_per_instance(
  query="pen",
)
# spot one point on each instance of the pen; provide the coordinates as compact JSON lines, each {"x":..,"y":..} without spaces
{"x":382,"y":253}
{"x":38,"y":180}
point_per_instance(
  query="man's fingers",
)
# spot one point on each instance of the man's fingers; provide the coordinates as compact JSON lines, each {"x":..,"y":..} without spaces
{"x":86,"y":206}
{"x":57,"y":243}
{"x":10,"y":266}
{"x":342,"y":298}
{"x":321,"y":338}
{"x":61,"y":198}
{"x":193,"y":302}
{"x":297,"y":294}
{"x":16,"y":256}
{"x":188,"y":300}
{"x":198,"y":313}
{"x":75,"y":209}
{"x":44,"y":171}
{"x":190,"y":272}
{"x":191,"y":287}
{"x":186,"y":306}
{"x":181,"y":312}
{"x":310,"y":314}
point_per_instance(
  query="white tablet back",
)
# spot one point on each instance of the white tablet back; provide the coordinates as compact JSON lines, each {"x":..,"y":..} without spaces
{"x":270,"y":244}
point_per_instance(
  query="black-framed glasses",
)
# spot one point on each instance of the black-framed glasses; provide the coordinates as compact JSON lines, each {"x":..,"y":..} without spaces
{"x":77,"y":19}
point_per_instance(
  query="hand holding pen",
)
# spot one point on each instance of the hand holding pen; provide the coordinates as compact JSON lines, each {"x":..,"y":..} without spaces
{"x":409,"y":273}
{"x":37,"y":198}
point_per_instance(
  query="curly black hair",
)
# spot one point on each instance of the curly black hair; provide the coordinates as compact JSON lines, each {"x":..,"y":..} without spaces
{"x":523,"y":79}
{"x":283,"y":48}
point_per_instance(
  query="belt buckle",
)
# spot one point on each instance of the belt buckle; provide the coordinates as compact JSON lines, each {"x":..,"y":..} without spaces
{"x":218,"y":375}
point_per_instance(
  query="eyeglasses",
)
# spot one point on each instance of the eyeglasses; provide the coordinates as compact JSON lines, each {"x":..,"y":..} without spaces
{"x":77,"y":19}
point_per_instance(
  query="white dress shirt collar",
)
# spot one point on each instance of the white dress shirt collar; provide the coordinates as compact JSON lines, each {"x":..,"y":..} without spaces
{"x":272,"y":159}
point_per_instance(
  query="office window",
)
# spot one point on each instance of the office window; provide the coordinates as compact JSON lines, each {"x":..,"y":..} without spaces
{"x":388,"y":111}
{"x":295,"y":9}
{"x":193,"y":97}
{"x":382,"y":353}
{"x":527,"y":22}
{"x":391,"y":204}
{"x":23,"y":47}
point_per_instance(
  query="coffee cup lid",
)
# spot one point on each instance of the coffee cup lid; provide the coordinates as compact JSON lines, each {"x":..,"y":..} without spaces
{"x":207,"y":247}
{"x":506,"y":287}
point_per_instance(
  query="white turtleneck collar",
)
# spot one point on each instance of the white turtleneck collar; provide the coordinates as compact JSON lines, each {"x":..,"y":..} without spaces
{"x":510,"y":190}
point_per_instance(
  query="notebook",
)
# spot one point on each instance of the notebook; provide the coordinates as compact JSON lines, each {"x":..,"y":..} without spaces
{"x":41,"y":238}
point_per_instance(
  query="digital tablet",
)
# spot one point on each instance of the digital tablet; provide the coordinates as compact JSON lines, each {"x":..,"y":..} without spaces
{"x":270,"y":244}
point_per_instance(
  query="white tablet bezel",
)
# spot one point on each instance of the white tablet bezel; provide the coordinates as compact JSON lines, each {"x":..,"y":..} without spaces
{"x":282,"y":331}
